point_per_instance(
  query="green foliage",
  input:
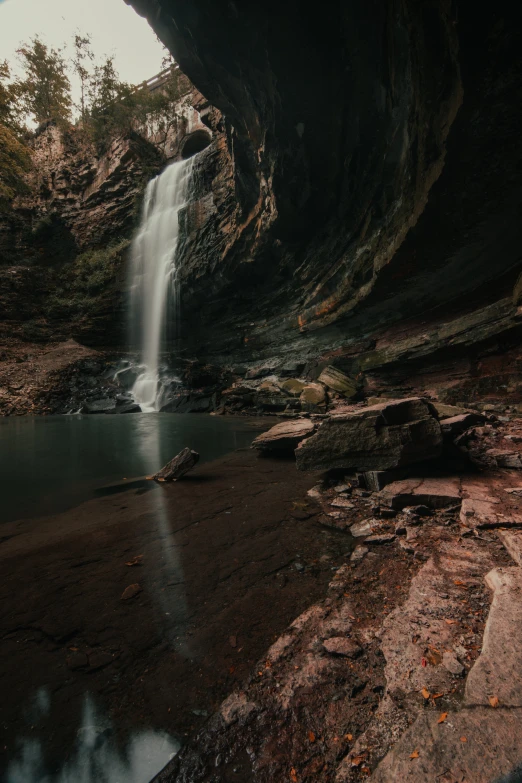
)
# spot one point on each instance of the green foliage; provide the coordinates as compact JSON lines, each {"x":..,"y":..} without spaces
{"x":88,"y":282}
{"x":15,"y":162}
{"x":45,"y":92}
{"x":83,"y":54}
{"x":10,"y":108}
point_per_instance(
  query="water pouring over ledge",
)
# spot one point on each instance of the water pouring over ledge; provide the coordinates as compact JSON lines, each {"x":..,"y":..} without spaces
{"x":153,"y":275}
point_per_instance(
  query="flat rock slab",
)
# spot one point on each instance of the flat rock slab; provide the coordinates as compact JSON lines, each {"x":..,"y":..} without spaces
{"x":390,"y":435}
{"x":425,"y":620}
{"x":497,"y":672}
{"x":284,"y":437}
{"x":492,"y":749}
{"x":487,"y":504}
{"x":431,"y":492}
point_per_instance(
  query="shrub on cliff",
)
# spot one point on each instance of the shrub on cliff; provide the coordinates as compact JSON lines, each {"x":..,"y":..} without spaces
{"x":15,"y":161}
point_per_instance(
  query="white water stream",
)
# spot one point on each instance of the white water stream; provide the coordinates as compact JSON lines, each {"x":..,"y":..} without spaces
{"x":153,"y":275}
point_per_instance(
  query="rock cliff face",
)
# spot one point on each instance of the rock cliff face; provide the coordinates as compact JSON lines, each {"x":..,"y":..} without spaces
{"x":63,"y":248}
{"x":360,"y":206}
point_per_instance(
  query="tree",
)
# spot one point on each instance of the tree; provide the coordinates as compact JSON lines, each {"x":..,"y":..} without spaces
{"x":15,"y":161}
{"x":45,"y":92}
{"x":110,"y":107}
{"x":83,"y":54}
{"x":10,"y":109}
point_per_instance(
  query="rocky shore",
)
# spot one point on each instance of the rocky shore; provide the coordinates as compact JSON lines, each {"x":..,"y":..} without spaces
{"x":407,"y":668}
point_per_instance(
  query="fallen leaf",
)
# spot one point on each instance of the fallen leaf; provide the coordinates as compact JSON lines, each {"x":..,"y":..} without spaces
{"x":450,"y":622}
{"x":434,"y":658}
{"x":293,"y":775}
{"x":357,"y":761}
{"x":424,"y":662}
{"x":463,"y":739}
{"x":232,"y":669}
{"x":130,"y":592}
{"x":459,"y":582}
{"x":349,"y":737}
{"x":136,"y":561}
{"x":366,"y":770}
{"x":442,"y":717}
{"x":493,"y":700}
{"x":437,"y":695}
{"x":414,"y":755}
{"x":425,"y":692}
{"x":311,"y":736}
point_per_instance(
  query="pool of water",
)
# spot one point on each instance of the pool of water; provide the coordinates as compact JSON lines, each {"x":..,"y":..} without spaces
{"x":51,"y":463}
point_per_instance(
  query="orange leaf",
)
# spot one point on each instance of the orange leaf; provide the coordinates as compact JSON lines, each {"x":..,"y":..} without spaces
{"x":437,"y":695}
{"x":293,"y":775}
{"x":357,"y":761}
{"x":459,"y":582}
{"x":463,"y":739}
{"x":451,"y":622}
{"x":493,"y":700}
{"x":442,"y":717}
{"x":311,"y":736}
{"x":414,"y":755}
{"x":425,"y":692}
{"x":349,"y":737}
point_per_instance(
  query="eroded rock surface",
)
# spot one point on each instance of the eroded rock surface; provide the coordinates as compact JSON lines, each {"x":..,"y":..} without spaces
{"x":379,"y":437}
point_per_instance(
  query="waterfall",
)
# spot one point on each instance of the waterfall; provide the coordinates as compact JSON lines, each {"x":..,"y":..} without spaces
{"x":153,"y":275}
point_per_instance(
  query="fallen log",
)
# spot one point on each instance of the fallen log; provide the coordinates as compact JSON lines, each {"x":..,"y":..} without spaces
{"x":178,"y":466}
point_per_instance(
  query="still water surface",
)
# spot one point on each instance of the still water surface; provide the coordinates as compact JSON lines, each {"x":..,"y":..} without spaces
{"x":51,"y":463}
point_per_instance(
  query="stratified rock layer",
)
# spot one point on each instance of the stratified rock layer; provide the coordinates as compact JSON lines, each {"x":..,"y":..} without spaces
{"x":389,"y":435}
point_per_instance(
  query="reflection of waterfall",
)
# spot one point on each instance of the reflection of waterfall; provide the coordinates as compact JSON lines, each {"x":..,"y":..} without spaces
{"x":97,"y":757}
{"x":153,"y":269}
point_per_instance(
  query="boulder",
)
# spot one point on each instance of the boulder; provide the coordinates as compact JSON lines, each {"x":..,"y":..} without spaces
{"x":293,"y":386}
{"x":100,"y":406}
{"x":382,"y":437}
{"x":338,"y":381}
{"x":284,"y":437}
{"x":448,"y":411}
{"x":178,"y":466}
{"x":129,"y":407}
{"x":312,"y":396}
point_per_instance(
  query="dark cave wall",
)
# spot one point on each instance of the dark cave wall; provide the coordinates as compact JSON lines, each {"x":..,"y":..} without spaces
{"x":375,"y":157}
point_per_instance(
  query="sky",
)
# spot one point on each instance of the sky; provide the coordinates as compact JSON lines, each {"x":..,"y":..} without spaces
{"x":116,"y":29}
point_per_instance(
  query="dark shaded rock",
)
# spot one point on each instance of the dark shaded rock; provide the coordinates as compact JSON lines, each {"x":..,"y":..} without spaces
{"x":178,"y":466}
{"x":456,"y":425}
{"x":106,"y":405}
{"x":284,"y":437}
{"x":187,"y":402}
{"x":129,"y":407}
{"x":390,"y":435}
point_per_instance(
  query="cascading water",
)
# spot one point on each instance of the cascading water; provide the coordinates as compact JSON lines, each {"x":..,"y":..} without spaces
{"x":153,"y":275}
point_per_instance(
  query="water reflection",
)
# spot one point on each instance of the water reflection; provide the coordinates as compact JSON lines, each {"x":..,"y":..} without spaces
{"x":68,"y":458}
{"x":95,"y":757}
{"x":172,"y":602}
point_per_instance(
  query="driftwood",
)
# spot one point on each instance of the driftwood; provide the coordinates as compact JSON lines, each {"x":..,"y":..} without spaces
{"x":178,"y":466}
